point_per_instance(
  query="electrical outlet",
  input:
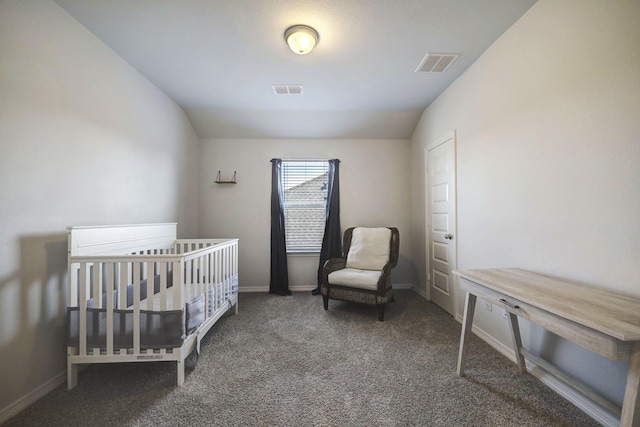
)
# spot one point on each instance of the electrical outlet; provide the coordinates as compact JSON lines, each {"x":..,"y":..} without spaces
{"x":505,"y":314}
{"x":488,"y":306}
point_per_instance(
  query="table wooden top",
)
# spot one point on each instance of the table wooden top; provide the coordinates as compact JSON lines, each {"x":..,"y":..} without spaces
{"x":611,"y":313}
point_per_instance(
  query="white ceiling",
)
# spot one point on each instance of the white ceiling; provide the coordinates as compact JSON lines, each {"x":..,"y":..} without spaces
{"x":218,"y":59}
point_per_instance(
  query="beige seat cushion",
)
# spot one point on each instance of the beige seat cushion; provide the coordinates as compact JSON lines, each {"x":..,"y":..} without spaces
{"x":369,"y":248}
{"x":355,"y":278}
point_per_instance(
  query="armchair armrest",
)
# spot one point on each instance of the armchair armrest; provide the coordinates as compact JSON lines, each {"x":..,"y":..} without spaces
{"x":385,"y":277}
{"x":334,"y":264}
{"x":331,"y":265}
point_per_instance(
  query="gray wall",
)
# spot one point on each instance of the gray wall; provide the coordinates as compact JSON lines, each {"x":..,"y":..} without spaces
{"x":84,"y":140}
{"x":374,"y":191}
{"x":548,"y":127}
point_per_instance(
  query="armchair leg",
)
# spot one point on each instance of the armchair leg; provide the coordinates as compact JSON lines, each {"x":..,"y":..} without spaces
{"x":381,"y":312}
{"x":325,"y":301}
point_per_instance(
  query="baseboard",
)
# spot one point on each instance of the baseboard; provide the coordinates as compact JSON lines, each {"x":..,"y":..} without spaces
{"x":302,"y":288}
{"x":309,"y":288}
{"x":253,"y":289}
{"x":265,"y":289}
{"x":587,"y":405}
{"x":420,"y":292}
{"x":32,"y":397}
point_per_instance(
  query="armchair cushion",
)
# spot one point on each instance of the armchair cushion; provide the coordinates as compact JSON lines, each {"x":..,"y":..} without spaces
{"x":355,"y":278}
{"x":369,"y":248}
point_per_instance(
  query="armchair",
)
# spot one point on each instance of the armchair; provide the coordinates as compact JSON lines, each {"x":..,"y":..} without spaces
{"x":363,"y":274}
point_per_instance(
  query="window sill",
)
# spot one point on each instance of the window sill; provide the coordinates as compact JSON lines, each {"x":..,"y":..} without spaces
{"x":303,"y":253}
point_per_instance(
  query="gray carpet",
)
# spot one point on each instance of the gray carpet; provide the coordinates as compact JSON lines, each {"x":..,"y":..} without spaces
{"x":284,"y":361}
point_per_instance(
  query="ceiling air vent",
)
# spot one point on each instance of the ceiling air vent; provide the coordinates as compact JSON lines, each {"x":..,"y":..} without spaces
{"x":287,"y":89}
{"x":436,"y":62}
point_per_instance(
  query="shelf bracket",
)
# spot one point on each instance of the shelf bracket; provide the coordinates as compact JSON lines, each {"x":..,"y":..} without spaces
{"x":220,"y":181}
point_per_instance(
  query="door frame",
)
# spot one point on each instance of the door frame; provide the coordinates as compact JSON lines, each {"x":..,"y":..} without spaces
{"x":450,"y":136}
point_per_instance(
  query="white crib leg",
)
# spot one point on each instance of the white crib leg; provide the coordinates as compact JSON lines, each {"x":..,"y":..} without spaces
{"x":180,"y":372}
{"x":72,"y":375}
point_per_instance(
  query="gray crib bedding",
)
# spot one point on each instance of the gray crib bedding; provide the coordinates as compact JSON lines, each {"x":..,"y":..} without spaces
{"x":158,"y":329}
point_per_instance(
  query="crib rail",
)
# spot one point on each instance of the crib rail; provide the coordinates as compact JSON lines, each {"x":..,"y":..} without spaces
{"x":124,"y":304}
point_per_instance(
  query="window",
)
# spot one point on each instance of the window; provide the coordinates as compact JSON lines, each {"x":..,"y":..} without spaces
{"x":304,"y":184}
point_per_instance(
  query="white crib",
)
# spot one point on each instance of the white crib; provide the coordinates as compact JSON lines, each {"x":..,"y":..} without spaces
{"x":138,"y":294}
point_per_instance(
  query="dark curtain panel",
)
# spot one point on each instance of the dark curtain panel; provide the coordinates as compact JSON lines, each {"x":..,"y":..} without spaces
{"x":279,"y":282}
{"x":332,"y":240}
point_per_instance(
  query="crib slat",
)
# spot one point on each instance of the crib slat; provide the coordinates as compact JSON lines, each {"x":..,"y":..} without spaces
{"x":225,"y":268}
{"x":109,"y":291}
{"x":236,"y":253}
{"x":188,"y":289}
{"x":220,"y":299}
{"x":151,"y":279}
{"x":125,"y":274}
{"x":82,"y":313}
{"x":197,"y":280}
{"x":216,"y":278}
{"x":122,"y":284}
{"x":200,"y":272}
{"x":178,"y":272}
{"x":163,"y":286}
{"x":95,"y":281}
{"x":207,"y":283}
{"x":97,"y":299}
{"x":223,"y":275}
{"x":73,"y":285}
{"x":136,"y":307}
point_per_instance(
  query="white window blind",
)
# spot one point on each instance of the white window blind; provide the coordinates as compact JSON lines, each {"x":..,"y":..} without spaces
{"x":305,"y":199}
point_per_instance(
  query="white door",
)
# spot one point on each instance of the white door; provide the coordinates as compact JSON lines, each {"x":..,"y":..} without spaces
{"x":441,"y":221}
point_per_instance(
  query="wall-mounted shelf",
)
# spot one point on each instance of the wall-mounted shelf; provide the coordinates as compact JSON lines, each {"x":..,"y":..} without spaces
{"x":221,"y":181}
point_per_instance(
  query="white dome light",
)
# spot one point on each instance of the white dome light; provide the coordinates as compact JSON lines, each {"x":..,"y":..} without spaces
{"x":301,"y":39}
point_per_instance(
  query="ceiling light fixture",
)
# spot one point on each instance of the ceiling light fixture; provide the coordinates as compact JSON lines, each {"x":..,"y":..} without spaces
{"x":301,"y":38}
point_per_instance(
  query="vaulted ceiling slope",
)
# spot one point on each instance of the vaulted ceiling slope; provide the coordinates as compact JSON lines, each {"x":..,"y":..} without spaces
{"x":219,"y":59}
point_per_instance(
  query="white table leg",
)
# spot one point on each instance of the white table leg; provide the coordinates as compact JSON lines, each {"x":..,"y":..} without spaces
{"x":514,"y":331}
{"x":631,"y":406}
{"x":467,"y":323}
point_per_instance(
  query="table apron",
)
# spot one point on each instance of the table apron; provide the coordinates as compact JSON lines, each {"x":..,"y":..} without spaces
{"x":602,"y":344}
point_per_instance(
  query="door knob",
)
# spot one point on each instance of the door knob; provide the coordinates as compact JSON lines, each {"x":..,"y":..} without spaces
{"x":448,"y":236}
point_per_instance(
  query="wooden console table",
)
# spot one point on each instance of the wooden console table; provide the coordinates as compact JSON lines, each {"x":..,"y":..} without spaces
{"x":605,"y":322}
